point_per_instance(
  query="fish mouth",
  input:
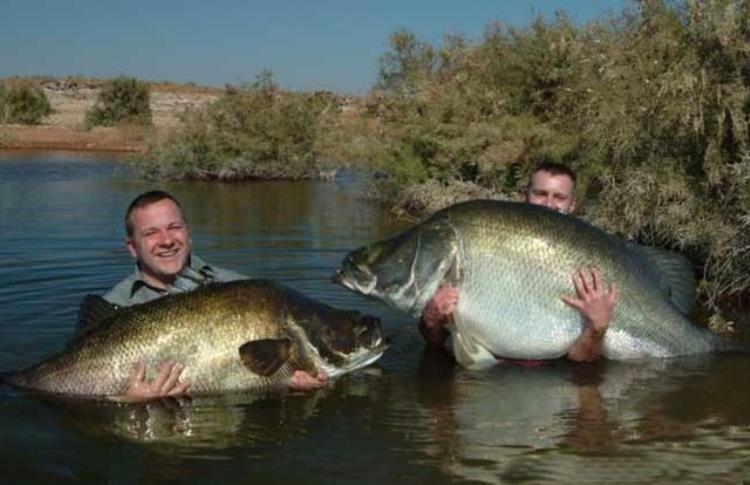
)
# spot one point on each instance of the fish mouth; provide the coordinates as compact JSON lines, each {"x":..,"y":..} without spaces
{"x":345,"y":278}
{"x":361,"y":357}
{"x":338,"y":278}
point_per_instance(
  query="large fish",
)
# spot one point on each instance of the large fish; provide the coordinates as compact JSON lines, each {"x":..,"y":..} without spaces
{"x":511,"y":262}
{"x":243,"y":335}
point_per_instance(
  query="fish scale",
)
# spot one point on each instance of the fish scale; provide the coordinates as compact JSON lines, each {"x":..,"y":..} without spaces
{"x":513,"y":269}
{"x":204,"y":330}
{"x":511,"y":264}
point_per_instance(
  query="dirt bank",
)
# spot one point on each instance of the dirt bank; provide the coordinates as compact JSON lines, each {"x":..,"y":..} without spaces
{"x":65,"y":128}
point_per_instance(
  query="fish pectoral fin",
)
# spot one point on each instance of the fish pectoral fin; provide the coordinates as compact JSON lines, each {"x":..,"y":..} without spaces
{"x":470,"y":353}
{"x":265,"y":356}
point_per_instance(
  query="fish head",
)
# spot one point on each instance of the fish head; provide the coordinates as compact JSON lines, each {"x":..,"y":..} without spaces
{"x":344,"y":340}
{"x":406,"y":270}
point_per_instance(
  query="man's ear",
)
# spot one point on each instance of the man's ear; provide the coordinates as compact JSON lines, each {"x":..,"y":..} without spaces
{"x":131,"y":247}
{"x":572,"y":205}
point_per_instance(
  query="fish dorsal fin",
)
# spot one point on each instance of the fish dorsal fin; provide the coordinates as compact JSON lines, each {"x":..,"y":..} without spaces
{"x":676,"y":276}
{"x":265,"y":356}
{"x":94,"y":309}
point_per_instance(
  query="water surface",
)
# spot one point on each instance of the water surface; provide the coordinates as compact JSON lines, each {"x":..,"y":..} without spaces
{"x":414,"y":417}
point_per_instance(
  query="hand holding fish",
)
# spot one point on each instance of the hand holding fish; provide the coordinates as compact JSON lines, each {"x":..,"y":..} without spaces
{"x":273,"y":332}
{"x":302,"y":381}
{"x":165,"y":384}
{"x":436,"y":313}
{"x":512,"y":261}
{"x":595,"y":304}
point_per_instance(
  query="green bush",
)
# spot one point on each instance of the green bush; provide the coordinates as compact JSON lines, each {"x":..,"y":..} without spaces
{"x":23,"y":102}
{"x":121,"y":100}
{"x":650,"y":107}
{"x":250,"y":131}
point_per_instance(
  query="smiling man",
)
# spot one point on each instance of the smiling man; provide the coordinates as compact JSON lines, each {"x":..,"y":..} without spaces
{"x":158,"y":237}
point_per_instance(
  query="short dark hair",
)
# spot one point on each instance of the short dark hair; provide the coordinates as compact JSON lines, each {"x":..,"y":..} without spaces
{"x":553,"y":168}
{"x":144,"y":200}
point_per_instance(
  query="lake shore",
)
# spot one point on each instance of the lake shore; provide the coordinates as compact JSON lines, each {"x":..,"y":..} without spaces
{"x":65,"y":128}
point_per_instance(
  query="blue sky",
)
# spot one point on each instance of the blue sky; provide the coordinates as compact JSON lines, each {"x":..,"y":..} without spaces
{"x":309,"y":45}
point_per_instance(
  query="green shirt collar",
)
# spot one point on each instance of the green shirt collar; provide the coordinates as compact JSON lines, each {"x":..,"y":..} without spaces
{"x":196,"y":270}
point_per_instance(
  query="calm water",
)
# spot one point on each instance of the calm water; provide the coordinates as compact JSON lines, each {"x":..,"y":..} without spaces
{"x":411,"y":418}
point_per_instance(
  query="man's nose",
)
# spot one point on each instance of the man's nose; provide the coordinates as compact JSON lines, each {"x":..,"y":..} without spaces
{"x":166,"y":239}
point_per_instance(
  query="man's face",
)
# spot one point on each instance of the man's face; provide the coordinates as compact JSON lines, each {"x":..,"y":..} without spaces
{"x":160,"y":241}
{"x":553,"y":191}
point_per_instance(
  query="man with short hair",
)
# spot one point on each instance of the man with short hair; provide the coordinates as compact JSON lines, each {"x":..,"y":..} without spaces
{"x":158,"y":237}
{"x":551,"y":185}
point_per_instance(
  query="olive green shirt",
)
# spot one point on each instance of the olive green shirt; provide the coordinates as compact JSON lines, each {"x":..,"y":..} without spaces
{"x":134,"y":289}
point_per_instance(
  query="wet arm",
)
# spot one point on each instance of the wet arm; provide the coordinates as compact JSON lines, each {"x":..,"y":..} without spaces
{"x":588,"y":346}
{"x":437,"y":314}
{"x":433,"y":332}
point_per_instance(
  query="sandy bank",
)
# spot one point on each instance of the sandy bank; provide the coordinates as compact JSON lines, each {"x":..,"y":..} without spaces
{"x":65,"y":128}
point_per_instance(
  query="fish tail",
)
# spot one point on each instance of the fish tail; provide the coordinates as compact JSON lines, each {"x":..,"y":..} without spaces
{"x":9,"y":378}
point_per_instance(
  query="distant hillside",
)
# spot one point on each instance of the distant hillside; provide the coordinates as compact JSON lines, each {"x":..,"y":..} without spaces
{"x":71,"y":97}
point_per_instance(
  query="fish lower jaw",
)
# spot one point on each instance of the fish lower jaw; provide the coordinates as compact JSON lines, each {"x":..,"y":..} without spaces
{"x":352,"y":284}
{"x":358,"y":361}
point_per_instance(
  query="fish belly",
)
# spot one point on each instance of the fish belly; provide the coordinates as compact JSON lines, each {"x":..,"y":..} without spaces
{"x":514,"y":317}
{"x":515,"y":333}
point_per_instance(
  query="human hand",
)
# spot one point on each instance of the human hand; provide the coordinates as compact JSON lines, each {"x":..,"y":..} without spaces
{"x":440,"y":307}
{"x":303,"y":381}
{"x":165,"y":384}
{"x":436,"y":314}
{"x":594,"y":302}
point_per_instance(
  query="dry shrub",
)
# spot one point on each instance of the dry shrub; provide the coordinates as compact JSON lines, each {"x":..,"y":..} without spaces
{"x":121,"y":100}
{"x":23,"y":101}
{"x":650,"y":108}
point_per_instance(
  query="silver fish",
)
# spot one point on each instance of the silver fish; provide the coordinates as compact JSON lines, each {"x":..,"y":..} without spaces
{"x":511,"y":262}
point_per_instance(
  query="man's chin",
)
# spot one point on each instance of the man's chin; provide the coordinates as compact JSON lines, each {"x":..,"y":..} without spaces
{"x":170,"y":269}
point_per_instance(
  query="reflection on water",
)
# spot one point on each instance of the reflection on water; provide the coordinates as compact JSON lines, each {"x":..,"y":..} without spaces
{"x":206,"y":426}
{"x":611,"y":422}
{"x":414,"y":417}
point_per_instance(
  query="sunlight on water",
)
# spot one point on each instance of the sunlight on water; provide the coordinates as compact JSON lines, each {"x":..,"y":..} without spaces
{"x":413,"y":417}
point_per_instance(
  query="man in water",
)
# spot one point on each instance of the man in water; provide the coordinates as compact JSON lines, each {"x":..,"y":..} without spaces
{"x":158,"y":238}
{"x":552,"y":186}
